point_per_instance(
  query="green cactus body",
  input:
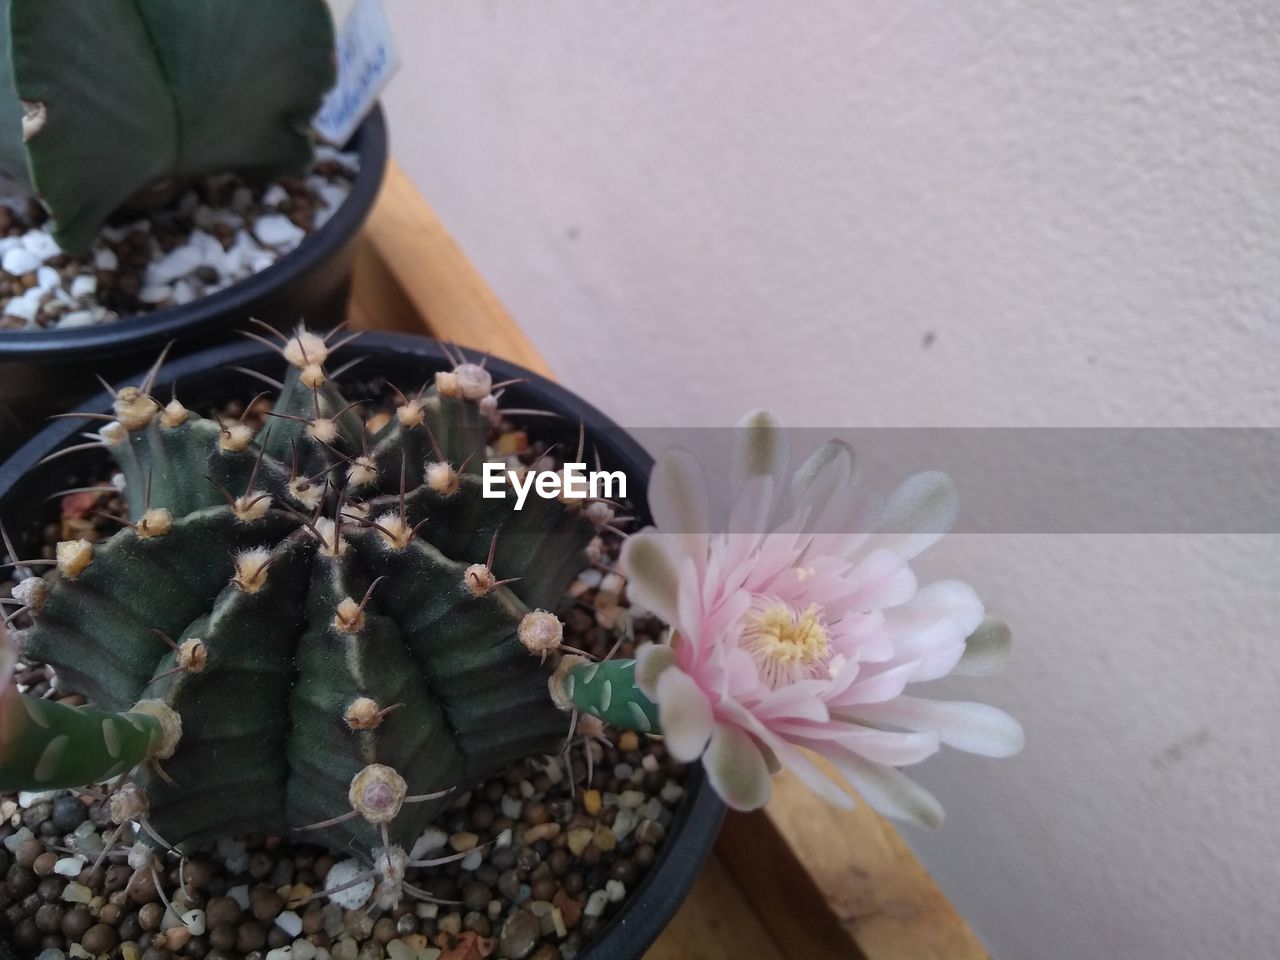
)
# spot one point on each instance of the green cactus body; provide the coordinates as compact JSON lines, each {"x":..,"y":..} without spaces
{"x":608,"y":692}
{"x":101,"y":101}
{"x":304,"y":634}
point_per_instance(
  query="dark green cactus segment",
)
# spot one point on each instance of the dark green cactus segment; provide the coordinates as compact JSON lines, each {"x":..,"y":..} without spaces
{"x":542,"y":547}
{"x":608,"y":691}
{"x":99,"y":629}
{"x":288,"y":437}
{"x":139,"y":92}
{"x":452,"y":431}
{"x":167,"y":458}
{"x":235,"y":709}
{"x":335,"y":668}
{"x":341,"y":626}
{"x":47,"y":745}
{"x":482,"y":684}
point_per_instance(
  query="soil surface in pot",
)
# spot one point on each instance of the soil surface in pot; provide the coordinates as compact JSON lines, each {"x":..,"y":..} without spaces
{"x":222,"y":229}
{"x":554,"y":845}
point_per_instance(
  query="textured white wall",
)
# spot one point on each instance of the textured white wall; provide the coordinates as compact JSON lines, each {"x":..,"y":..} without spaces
{"x":946,"y":213}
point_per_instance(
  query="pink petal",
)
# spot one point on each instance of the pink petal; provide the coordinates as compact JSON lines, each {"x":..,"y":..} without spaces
{"x":889,"y":790}
{"x":760,"y":449}
{"x":789,"y":756}
{"x":685,"y":714}
{"x":879,"y":746}
{"x":736,"y":768}
{"x":651,"y":661}
{"x":653,"y":576}
{"x":985,"y":650}
{"x":918,"y":514}
{"x":828,"y":470}
{"x":678,"y":502}
{"x":972,"y":727}
{"x":875,"y":688}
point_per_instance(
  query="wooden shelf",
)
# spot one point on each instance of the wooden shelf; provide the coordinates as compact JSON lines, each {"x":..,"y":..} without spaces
{"x":799,"y":880}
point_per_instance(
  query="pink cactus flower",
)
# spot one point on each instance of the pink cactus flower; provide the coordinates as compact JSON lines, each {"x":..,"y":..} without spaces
{"x":798,"y":630}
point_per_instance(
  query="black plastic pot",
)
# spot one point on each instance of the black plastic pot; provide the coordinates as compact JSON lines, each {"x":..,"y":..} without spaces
{"x":43,"y":372}
{"x":206,"y":379}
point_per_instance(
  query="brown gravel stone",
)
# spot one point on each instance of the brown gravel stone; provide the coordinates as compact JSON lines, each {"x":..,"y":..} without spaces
{"x":99,"y":938}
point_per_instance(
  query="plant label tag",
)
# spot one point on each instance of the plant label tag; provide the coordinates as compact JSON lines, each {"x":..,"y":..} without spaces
{"x":367,"y":61}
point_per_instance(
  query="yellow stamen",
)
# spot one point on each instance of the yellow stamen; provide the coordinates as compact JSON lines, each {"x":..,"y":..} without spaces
{"x":787,"y":644}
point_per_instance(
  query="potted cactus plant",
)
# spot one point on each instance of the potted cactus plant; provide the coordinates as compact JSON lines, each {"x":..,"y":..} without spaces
{"x":315,"y":622}
{"x":163,"y":181}
{"x":348,"y":645}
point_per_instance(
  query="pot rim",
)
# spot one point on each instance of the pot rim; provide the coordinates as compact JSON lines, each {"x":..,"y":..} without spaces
{"x":136,"y":333}
{"x":654,"y":901}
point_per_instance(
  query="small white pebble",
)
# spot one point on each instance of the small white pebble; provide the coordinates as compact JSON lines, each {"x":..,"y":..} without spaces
{"x":433,"y":838}
{"x":503,"y":839}
{"x":591,"y":577}
{"x":11,"y":842}
{"x":624,"y":823}
{"x":511,"y":807}
{"x":84,"y":285}
{"x":104,"y":258}
{"x":86,"y":836}
{"x":20,"y":261}
{"x":274,"y":195}
{"x":155,"y":293}
{"x":472,"y":860}
{"x":76,"y":893}
{"x":40,"y":244}
{"x":234,"y":856}
{"x":183,"y":292}
{"x":275,"y":230}
{"x":342,"y":873}
{"x":48,"y":278}
{"x":77,"y":318}
{"x":260,"y":260}
{"x":616,"y":890}
{"x":69,"y":866}
{"x":175,"y":264}
{"x":630,"y":798}
{"x":51,"y":953}
{"x":596,"y":903}
{"x":526,"y":789}
{"x":290,"y":923}
{"x":194,"y":921}
{"x":399,"y":950}
{"x":304,"y":949}
{"x":240,"y":894}
{"x":281,"y":953}
{"x":29,"y":798}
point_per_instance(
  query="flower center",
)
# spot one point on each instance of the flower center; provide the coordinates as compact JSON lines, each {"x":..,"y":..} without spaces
{"x":787,"y":643}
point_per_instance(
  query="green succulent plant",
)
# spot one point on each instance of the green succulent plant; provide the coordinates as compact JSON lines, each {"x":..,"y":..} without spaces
{"x":104,"y":102}
{"x":311,"y":626}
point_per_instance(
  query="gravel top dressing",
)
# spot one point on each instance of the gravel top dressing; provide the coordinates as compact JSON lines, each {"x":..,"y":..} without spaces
{"x":551,"y":848}
{"x":221,"y":230}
